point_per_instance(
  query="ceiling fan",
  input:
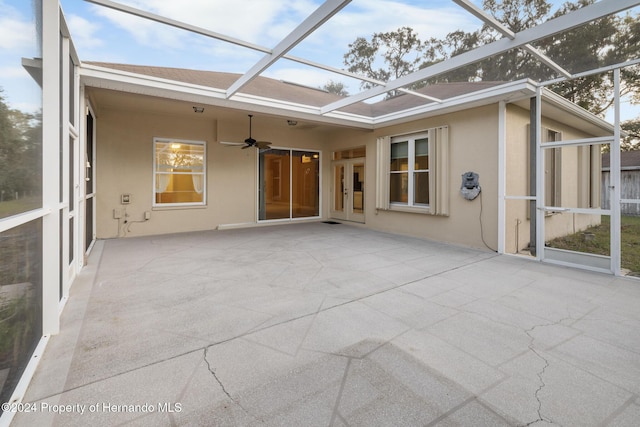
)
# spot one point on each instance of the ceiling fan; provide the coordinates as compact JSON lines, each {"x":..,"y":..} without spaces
{"x":249,"y":142}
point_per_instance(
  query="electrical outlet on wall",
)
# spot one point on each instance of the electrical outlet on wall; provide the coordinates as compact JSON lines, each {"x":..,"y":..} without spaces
{"x":117,"y":213}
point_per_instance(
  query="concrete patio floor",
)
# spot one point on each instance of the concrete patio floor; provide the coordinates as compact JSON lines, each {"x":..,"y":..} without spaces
{"x":335,"y":325}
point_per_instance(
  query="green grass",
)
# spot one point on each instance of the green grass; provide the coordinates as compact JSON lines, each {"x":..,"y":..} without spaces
{"x":600,"y":242}
{"x":12,"y":207}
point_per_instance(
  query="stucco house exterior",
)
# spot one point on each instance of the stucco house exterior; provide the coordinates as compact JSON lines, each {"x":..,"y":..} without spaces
{"x":355,"y":171}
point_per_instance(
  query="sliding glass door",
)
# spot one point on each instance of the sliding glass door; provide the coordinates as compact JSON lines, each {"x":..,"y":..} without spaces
{"x":289,"y":184}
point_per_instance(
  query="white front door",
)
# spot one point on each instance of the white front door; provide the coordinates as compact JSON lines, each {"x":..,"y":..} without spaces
{"x":348,"y":190}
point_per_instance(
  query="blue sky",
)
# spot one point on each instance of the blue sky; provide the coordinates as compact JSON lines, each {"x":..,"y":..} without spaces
{"x":263,"y":22}
{"x":102,"y":34}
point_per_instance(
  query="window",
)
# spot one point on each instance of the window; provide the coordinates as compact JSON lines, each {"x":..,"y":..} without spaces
{"x":552,"y":169}
{"x":412,"y":172}
{"x":179,"y":172}
{"x":409,"y":171}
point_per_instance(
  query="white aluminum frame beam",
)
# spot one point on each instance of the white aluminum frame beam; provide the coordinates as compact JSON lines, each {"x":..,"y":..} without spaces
{"x":218,"y":36}
{"x":177,"y":24}
{"x":308,"y":26}
{"x":616,"y":184}
{"x":501,"y":28}
{"x":563,"y":23}
{"x":593,"y":71}
{"x":421,"y":95}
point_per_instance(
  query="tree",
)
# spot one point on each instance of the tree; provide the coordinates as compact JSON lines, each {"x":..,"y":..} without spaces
{"x":607,"y":41}
{"x":20,"y":152}
{"x":335,"y":87}
{"x":631,"y":141}
{"x":386,"y":56}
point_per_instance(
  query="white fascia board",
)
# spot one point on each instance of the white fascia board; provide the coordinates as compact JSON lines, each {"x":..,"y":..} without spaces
{"x":109,"y":78}
{"x":245,"y":98}
{"x":94,"y":75}
{"x":575,"y":110}
{"x":507,"y":92}
{"x":271,"y":103}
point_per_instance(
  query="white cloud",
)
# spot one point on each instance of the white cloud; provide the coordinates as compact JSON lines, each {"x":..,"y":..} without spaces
{"x":145,"y":32}
{"x":260,"y":22}
{"x":83,"y":32}
{"x":16,"y":32}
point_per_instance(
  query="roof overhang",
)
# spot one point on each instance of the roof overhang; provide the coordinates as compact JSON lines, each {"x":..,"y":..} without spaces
{"x":128,"y":82}
{"x":123,"y":81}
{"x":565,"y":111}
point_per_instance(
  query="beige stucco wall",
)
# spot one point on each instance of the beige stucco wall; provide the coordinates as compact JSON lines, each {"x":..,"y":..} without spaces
{"x":125,"y":165}
{"x":124,"y":153}
{"x":473,"y":146}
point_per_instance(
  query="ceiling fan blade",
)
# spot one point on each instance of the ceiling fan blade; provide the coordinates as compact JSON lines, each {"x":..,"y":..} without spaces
{"x":262,"y":144}
{"x":231,"y":143}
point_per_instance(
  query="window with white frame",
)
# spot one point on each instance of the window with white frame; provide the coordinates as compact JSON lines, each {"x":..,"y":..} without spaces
{"x":409,"y":170}
{"x":412,"y":172}
{"x":179,"y":172}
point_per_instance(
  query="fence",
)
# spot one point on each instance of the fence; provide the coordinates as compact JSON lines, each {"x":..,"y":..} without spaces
{"x":630,"y":180}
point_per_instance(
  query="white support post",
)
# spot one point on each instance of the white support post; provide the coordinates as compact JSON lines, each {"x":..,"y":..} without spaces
{"x":65,"y":165}
{"x":502,"y":186}
{"x":51,"y":167}
{"x":616,"y":223}
{"x":540,"y":231}
{"x":82,"y":170}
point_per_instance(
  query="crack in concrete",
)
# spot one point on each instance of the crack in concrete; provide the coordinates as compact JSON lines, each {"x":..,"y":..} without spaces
{"x":224,"y":390}
{"x":213,"y":372}
{"x":540,"y":374}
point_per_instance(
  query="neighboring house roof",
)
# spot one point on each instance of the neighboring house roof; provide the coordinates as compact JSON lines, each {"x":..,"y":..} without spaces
{"x":629,"y":160}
